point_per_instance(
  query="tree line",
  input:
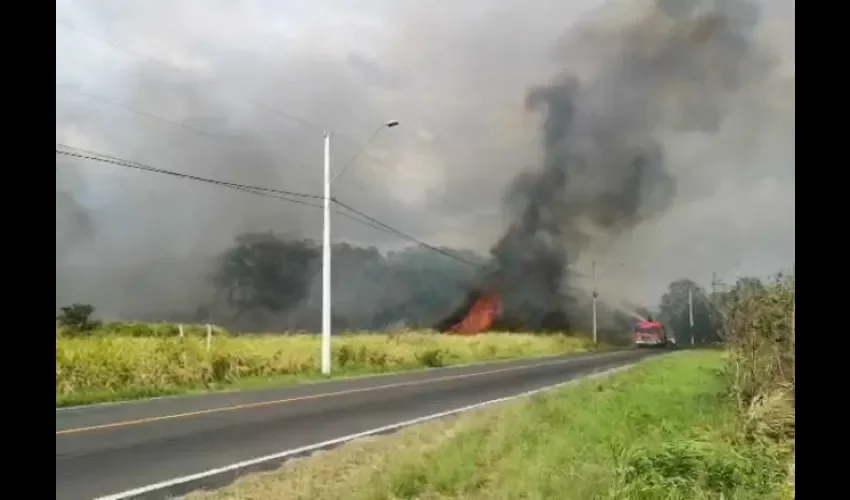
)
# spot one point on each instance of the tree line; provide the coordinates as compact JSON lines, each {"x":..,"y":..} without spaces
{"x":268,"y":282}
{"x":710,"y":307}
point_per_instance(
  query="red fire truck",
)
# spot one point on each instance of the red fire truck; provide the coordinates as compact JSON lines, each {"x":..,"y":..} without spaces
{"x":651,"y":333}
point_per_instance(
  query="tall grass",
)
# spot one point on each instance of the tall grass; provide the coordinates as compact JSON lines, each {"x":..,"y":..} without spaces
{"x":753,"y":449}
{"x":104,"y":367}
{"x":760,"y":338}
{"x":760,"y":335}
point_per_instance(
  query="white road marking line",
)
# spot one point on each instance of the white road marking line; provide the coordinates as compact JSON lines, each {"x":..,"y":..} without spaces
{"x":344,"y":392}
{"x":343,"y":439}
{"x":482,"y":364}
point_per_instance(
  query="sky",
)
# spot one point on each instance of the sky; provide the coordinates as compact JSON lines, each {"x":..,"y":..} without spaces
{"x":210,"y":87}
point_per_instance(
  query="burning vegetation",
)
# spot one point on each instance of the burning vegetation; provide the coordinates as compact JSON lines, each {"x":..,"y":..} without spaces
{"x":478,"y":313}
{"x":603,"y":170}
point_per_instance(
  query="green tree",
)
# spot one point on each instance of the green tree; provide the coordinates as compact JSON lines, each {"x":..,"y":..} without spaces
{"x":673,"y":311}
{"x":270,"y":282}
{"x":77,"y":318}
{"x":264,"y":271}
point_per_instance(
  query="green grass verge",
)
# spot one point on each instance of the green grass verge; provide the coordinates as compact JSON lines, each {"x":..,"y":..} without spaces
{"x":662,"y":430}
{"x":251,"y":383}
{"x":104,"y":368}
{"x":248,"y":383}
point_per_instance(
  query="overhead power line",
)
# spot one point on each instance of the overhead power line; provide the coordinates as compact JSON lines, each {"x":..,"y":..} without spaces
{"x":105,"y":158}
{"x":401,"y":234}
{"x":209,"y":135}
{"x":280,"y":194}
{"x":291,"y":117}
{"x":255,"y":190}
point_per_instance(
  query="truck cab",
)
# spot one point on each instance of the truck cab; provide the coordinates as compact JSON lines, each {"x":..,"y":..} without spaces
{"x":650,"y":334}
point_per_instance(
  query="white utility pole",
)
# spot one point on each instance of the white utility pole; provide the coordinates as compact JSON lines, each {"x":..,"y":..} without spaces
{"x":326,"y":262}
{"x":326,"y":243}
{"x":595,"y":294}
{"x":691,"y":313}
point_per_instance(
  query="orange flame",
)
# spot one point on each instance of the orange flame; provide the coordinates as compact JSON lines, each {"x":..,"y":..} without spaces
{"x":481,"y":315}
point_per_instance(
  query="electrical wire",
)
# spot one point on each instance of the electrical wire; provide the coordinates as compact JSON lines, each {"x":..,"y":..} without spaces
{"x":66,"y":150}
{"x":274,"y":193}
{"x":253,"y":102}
{"x":401,"y":234}
{"x":211,"y":135}
{"x":289,"y":196}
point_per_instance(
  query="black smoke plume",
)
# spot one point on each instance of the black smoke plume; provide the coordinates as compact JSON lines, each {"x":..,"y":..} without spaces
{"x":604,"y":169}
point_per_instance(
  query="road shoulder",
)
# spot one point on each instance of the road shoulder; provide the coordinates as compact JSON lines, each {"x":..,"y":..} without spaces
{"x":99,"y":415}
{"x":664,"y":409}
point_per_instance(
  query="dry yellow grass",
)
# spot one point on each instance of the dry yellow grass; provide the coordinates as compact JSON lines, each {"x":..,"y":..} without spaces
{"x":105,"y":367}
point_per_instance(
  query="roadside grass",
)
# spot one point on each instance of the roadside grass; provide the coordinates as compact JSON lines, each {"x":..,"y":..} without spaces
{"x":761,"y":341}
{"x":665,"y":429}
{"x":126,"y":364}
{"x":141,"y":329}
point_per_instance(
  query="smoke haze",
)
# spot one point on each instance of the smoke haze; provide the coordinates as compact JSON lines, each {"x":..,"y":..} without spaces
{"x":666,"y":141}
{"x":658,"y":72}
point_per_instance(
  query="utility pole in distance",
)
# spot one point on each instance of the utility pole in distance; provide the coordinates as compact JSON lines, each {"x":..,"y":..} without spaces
{"x":595,"y":295}
{"x":691,"y":312}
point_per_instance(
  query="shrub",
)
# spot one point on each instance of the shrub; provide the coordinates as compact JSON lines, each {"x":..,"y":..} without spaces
{"x":759,"y":323}
{"x":77,"y":318}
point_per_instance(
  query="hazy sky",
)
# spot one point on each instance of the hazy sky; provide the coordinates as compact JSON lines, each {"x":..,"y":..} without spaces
{"x":211,"y":81}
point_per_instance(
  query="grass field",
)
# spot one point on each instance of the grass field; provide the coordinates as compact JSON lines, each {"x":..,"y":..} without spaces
{"x":130,"y":362}
{"x":666,"y":429}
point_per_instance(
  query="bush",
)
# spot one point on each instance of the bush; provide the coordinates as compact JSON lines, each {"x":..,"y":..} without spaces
{"x":432,"y":358}
{"x":700,"y":469}
{"x":753,"y":457}
{"x":761,"y":342}
{"x":77,"y":318}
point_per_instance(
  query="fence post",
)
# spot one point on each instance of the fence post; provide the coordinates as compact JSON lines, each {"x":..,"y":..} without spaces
{"x":180,"y":328}
{"x":209,"y":336}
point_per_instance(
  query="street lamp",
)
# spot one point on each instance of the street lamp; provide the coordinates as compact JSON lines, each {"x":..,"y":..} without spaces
{"x":326,"y":242}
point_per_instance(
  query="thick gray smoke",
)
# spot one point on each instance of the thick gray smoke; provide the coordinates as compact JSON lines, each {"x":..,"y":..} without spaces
{"x":205,"y":88}
{"x":673,"y":69}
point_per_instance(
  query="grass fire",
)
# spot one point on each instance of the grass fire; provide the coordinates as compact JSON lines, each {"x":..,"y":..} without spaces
{"x":604,"y":169}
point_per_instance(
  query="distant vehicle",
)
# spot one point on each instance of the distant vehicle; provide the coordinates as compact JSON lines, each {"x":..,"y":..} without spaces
{"x":652,"y":334}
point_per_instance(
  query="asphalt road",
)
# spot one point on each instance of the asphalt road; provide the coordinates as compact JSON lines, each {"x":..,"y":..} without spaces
{"x":101,"y":450}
